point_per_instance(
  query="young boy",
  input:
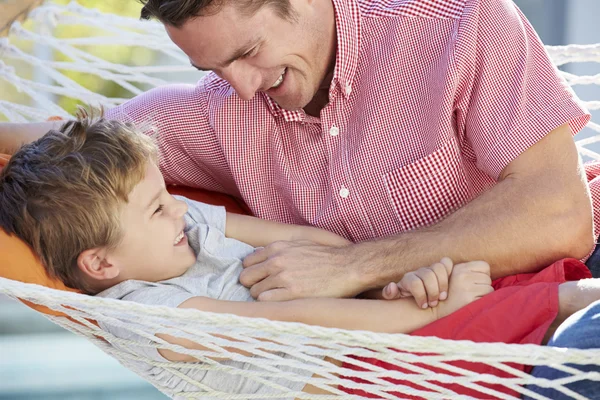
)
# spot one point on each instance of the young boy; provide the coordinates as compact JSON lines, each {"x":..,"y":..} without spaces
{"x":94,"y":187}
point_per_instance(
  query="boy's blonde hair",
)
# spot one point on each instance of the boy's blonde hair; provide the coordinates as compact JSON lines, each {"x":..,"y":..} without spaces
{"x":63,"y":193}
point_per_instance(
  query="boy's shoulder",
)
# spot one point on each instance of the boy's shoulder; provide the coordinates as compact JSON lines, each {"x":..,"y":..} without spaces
{"x":203,"y":213}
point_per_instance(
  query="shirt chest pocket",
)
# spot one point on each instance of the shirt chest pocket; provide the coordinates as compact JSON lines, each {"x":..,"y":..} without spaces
{"x":429,"y":189}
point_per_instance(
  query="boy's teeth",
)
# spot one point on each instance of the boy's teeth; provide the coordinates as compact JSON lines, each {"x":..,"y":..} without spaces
{"x":178,"y":238}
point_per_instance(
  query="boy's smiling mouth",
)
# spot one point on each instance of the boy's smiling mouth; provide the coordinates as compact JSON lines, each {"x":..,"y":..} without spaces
{"x":179,"y":238}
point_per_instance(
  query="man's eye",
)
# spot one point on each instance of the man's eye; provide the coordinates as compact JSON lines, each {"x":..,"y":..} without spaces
{"x":159,"y":209}
{"x":251,"y":53}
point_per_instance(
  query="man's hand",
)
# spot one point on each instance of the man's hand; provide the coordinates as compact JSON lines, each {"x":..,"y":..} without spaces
{"x":292,"y":270}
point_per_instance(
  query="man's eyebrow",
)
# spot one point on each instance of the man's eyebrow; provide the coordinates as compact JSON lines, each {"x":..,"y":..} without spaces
{"x":240,"y":52}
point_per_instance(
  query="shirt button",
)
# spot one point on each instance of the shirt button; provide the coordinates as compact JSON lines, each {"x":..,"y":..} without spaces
{"x":348,"y":90}
{"x":334,"y":131}
{"x":344,"y":192}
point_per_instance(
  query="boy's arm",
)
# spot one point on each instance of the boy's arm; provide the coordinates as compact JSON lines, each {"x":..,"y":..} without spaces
{"x":468,"y":282}
{"x":351,"y":314}
{"x":260,"y":232}
{"x":13,"y":136}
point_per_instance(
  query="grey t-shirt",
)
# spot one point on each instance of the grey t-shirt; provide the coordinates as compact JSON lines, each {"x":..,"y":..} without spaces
{"x":216,"y":275}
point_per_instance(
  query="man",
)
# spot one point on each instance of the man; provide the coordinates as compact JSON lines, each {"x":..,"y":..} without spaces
{"x":416,"y":129}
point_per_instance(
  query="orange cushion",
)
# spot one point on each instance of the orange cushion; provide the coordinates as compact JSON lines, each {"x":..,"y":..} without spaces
{"x":17,"y":261}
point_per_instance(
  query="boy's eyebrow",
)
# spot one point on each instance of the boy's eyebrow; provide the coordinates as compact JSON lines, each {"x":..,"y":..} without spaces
{"x":154,"y":199}
{"x":240,"y":52}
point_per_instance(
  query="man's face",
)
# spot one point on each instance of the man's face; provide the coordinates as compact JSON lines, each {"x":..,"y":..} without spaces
{"x":154,"y":247}
{"x":287,"y":59}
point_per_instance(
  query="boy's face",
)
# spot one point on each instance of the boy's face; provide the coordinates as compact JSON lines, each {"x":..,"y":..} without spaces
{"x":154,"y":247}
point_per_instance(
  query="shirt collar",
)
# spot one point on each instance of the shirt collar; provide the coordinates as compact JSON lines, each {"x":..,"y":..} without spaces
{"x":348,"y":28}
{"x":348,"y":31}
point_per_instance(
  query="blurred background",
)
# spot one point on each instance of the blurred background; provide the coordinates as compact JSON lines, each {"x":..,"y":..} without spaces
{"x":39,"y":360}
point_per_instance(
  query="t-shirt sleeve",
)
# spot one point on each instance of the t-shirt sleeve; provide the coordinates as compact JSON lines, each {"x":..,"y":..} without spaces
{"x":235,"y":382}
{"x":202,"y":213}
{"x":177,"y":117}
{"x":146,"y":293}
{"x":509,"y":93}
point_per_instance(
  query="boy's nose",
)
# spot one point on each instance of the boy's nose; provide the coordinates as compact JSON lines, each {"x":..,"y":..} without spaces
{"x":180,"y":208}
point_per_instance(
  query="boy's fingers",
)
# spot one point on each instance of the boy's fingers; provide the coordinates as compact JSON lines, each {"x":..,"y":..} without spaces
{"x":476,"y":266}
{"x":430,"y":282}
{"x":412,"y":284}
{"x":391,"y":291}
{"x":484,"y":290}
{"x":448,"y":264}
{"x":479,"y":272}
{"x":442,"y":274}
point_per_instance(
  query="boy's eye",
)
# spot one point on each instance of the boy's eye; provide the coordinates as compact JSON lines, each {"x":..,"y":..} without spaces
{"x":159,"y":209}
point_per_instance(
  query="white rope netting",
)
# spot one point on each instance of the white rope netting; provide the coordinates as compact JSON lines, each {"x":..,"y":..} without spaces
{"x":262,"y":343}
{"x":267,"y":341}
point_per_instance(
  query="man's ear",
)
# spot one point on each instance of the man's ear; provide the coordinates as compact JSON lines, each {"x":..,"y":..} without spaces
{"x":94,"y":264}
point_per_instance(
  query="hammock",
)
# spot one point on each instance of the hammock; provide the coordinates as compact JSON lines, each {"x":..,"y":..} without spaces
{"x":272,"y":345}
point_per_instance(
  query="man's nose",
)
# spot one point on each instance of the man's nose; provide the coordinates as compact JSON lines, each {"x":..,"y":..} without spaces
{"x":244,"y":79}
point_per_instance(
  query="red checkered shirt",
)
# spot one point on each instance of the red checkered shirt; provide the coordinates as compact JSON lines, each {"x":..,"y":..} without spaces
{"x":430,"y":100}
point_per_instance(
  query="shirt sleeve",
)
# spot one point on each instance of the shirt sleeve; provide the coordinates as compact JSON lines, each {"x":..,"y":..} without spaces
{"x":177,"y":116}
{"x":509,"y":94}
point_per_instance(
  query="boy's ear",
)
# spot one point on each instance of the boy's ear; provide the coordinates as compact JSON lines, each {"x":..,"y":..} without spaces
{"x":93,"y":263}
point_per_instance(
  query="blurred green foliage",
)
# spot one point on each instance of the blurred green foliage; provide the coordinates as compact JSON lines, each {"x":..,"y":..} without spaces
{"x":115,"y":54}
{"x":127,"y":8}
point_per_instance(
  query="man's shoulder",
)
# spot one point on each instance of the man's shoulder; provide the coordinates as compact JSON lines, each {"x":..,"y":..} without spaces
{"x":438,"y":9}
{"x":217,"y":93}
{"x":212,"y":83}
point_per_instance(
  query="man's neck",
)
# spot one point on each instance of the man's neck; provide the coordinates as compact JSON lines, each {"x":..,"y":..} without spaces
{"x":321,"y":98}
{"x":318,"y":102}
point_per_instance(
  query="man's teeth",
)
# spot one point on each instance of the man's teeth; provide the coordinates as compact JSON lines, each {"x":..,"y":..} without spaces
{"x":179,"y":238}
{"x":279,"y":81}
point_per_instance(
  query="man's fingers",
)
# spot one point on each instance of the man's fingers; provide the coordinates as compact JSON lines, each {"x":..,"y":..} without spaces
{"x":263,"y":286}
{"x":250,"y":276}
{"x":278,"y":294}
{"x":259,"y":255}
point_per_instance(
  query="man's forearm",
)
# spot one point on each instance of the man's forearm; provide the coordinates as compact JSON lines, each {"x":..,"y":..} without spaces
{"x":13,"y":136}
{"x":512,"y":236}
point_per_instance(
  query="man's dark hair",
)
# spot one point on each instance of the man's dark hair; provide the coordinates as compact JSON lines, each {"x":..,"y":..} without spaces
{"x":177,"y":12}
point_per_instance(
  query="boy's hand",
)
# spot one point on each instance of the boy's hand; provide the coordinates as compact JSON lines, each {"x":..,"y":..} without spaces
{"x":469,"y":281}
{"x":428,"y":285}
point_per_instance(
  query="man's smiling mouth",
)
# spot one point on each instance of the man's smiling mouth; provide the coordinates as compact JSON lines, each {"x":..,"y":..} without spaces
{"x":279,"y":80}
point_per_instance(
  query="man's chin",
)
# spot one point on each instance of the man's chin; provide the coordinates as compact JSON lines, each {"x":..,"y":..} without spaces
{"x":291,"y":104}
